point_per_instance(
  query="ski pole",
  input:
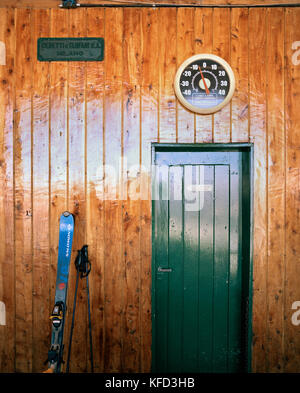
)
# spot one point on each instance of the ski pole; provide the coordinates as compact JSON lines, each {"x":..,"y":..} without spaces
{"x":83,"y":268}
{"x":72,"y":324}
{"x":90,"y":323}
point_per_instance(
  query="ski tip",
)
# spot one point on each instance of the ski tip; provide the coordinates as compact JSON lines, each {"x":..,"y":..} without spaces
{"x":49,"y":371}
{"x":66,"y":213}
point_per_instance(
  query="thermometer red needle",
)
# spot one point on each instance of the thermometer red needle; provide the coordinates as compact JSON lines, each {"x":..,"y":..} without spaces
{"x":206,"y":89}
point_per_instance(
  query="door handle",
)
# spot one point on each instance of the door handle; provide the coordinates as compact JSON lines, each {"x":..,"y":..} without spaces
{"x":164,"y":270}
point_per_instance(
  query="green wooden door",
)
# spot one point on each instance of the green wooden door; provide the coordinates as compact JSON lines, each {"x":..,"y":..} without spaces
{"x":201,"y":234}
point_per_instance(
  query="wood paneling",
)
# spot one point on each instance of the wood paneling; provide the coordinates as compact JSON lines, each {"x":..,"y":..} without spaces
{"x":40,"y":193}
{"x":61,"y":122}
{"x":185,"y":49}
{"x":94,"y":183}
{"x":56,"y":3}
{"x":77,"y":187}
{"x":292,"y":196}
{"x":204,"y":19}
{"x":258,"y":135}
{"x":114,"y":270}
{"x":131,"y":188}
{"x":23,"y":192}
{"x":221,"y":47}
{"x":7,"y":266}
{"x":276,"y":188}
{"x":239,"y":63}
{"x":167,"y":25}
{"x":149,"y":133}
{"x":58,"y":137}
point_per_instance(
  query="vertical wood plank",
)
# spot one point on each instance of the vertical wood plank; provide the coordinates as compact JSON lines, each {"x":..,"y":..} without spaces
{"x":149,"y":84}
{"x":77,"y":191}
{"x":23,"y":194}
{"x":58,"y":146}
{"x":149,"y":121}
{"x":292,"y":121}
{"x":7,"y":267}
{"x":167,"y":68}
{"x":40,"y":200}
{"x":221,"y":47}
{"x":276,"y":187}
{"x":257,"y":81}
{"x":131,"y":181}
{"x":239,"y":63}
{"x":95,"y":205}
{"x":203,"y":44}
{"x":185,"y":49}
{"x":114,"y":269}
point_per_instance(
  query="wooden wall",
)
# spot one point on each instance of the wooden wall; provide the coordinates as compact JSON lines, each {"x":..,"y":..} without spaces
{"x":56,"y":3}
{"x":60,"y":122}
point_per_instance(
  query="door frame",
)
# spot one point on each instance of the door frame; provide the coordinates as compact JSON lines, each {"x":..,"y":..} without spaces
{"x":190,"y":147}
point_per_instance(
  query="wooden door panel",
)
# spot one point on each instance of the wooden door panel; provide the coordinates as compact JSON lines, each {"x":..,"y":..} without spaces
{"x":198,"y":268}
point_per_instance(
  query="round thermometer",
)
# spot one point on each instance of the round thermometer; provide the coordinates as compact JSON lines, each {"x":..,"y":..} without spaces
{"x":204,"y":83}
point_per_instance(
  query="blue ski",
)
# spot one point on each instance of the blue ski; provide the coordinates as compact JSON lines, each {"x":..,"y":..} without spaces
{"x":66,"y":230}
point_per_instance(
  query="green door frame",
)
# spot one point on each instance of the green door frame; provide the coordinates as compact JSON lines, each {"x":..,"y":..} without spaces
{"x":248,"y":163}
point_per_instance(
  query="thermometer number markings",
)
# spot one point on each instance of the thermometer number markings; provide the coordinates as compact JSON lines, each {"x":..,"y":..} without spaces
{"x":204,"y":83}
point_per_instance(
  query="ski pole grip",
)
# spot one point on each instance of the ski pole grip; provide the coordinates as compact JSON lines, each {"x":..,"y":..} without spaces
{"x":82,"y":263}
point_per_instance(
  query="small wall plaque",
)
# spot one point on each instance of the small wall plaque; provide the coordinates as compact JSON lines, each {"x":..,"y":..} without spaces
{"x":71,"y":49}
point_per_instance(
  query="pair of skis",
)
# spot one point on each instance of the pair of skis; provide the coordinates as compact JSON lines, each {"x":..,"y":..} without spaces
{"x":55,"y":354}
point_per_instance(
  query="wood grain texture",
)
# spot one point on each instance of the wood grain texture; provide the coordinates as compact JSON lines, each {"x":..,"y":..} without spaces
{"x":60,"y":122}
{"x":23,"y":192}
{"x":292,"y":123}
{"x":40,"y":193}
{"x":185,"y":49}
{"x":167,"y":25}
{"x":221,"y":47}
{"x":77,"y":191}
{"x":131,"y":189}
{"x":58,"y":139}
{"x":114,"y":272}
{"x":204,"y":25}
{"x":94,"y":183}
{"x":149,"y":121}
{"x":276,"y":188}
{"x":7,"y":266}
{"x":239,"y":64}
{"x":258,"y":135}
{"x":55,"y":3}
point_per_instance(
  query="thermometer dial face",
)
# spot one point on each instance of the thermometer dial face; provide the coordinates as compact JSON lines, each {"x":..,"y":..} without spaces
{"x":204,"y":83}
